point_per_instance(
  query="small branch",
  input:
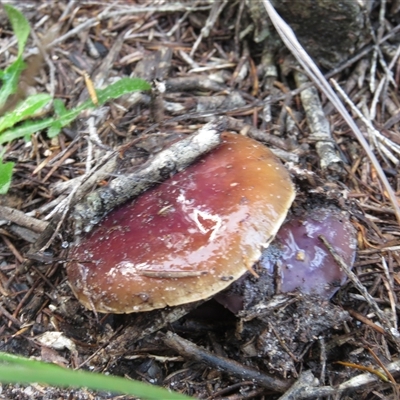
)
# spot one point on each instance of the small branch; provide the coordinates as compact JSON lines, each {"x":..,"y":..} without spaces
{"x":21,"y":219}
{"x":189,"y":350}
{"x":358,"y":382}
{"x":169,"y":161}
{"x":306,"y":380}
{"x":319,"y":127}
{"x":216,"y":9}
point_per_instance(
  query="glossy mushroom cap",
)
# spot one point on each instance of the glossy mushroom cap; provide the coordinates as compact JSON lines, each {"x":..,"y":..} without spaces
{"x":188,"y":238}
{"x":305,"y":262}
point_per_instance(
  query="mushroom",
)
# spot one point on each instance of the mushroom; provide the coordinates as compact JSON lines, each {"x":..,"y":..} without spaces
{"x":304,"y":261}
{"x":299,"y":259}
{"x":189,"y":237}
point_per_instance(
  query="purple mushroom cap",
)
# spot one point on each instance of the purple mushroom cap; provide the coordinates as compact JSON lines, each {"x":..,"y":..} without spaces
{"x":303,"y":262}
{"x":297,"y":259}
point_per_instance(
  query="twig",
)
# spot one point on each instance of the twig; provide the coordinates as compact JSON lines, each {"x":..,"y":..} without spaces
{"x":323,"y":358}
{"x":356,"y":383}
{"x":181,"y":19}
{"x":363,"y":319}
{"x":67,"y":9}
{"x":173,"y":159}
{"x":371,"y":129}
{"x":12,"y":319}
{"x":216,"y":9}
{"x":66,"y":154}
{"x":13,"y":249}
{"x":392,"y":296}
{"x":21,"y":219}
{"x":239,"y":126}
{"x":372,"y":72}
{"x":190,"y":350}
{"x":171,"y":7}
{"x":389,"y":376}
{"x":106,"y":14}
{"x":390,"y":331}
{"x":41,"y":46}
{"x":315,"y":74}
{"x":319,"y":127}
{"x":85,"y":25}
{"x":64,"y":206}
{"x":375,"y":99}
{"x":306,"y":380}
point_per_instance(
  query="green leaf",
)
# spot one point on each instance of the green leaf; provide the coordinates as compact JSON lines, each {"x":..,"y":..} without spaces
{"x":65,"y":117}
{"x":121,"y":87}
{"x":11,"y":75}
{"x":113,"y":91}
{"x":69,"y":116}
{"x":54,"y":129}
{"x":15,"y":369}
{"x":25,"y":109}
{"x":25,"y":130}
{"x":5,"y":176}
{"x":10,"y":79}
{"x":20,"y":26}
{"x":59,"y":107}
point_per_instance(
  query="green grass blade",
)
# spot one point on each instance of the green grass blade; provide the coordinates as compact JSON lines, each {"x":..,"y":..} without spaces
{"x":121,"y":87}
{"x":25,"y":130}
{"x":25,"y":109}
{"x":10,"y":79}
{"x":54,"y":129}
{"x":59,"y":107}
{"x":20,"y":26}
{"x":5,"y":177}
{"x":11,"y":75}
{"x":113,"y":91}
{"x":15,"y":369}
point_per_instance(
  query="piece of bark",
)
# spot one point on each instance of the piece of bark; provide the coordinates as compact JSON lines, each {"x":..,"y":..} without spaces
{"x":198,"y":82}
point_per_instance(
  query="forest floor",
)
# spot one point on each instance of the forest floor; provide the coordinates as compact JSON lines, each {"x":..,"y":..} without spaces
{"x":220,"y":73}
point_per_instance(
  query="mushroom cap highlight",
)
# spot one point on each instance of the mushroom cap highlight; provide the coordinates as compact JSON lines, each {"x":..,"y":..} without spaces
{"x":187,"y":238}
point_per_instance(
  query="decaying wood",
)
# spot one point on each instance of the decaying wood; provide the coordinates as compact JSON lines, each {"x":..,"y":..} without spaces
{"x":350,"y":386}
{"x":306,"y":380}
